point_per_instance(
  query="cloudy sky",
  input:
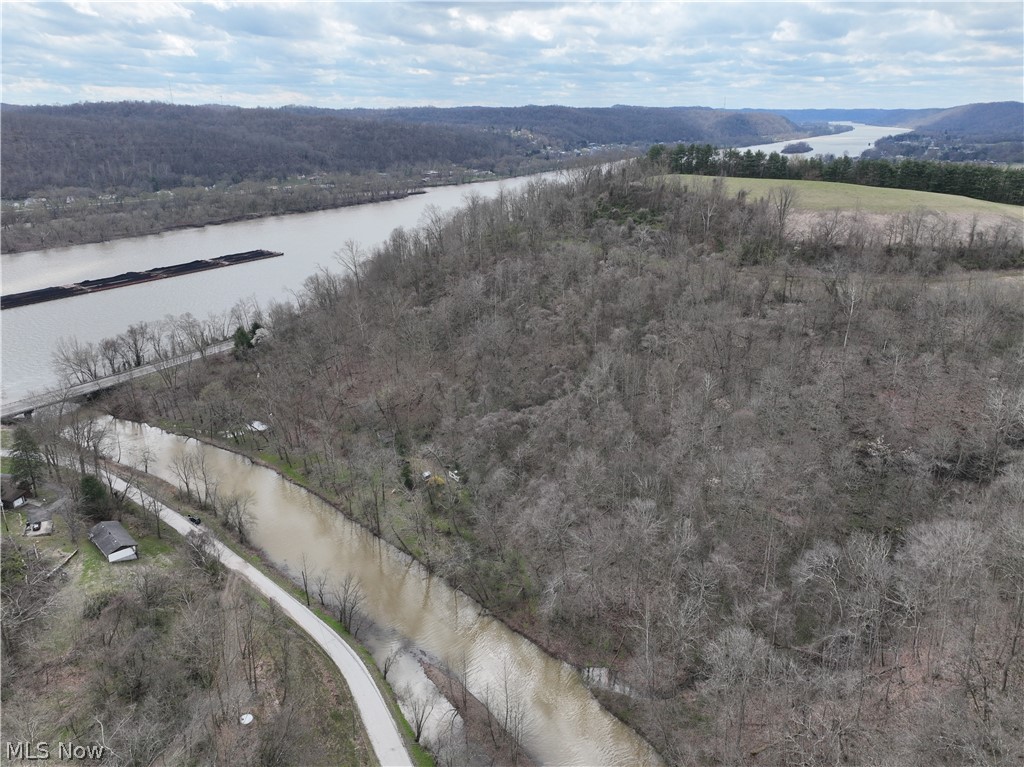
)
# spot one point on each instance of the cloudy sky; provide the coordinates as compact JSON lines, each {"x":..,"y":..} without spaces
{"x":381,"y":54}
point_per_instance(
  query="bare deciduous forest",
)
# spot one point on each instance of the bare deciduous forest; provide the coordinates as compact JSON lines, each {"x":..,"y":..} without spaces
{"x":771,"y":476}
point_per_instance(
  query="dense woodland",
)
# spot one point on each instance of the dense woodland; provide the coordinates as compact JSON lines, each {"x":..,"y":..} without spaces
{"x":773,"y":477}
{"x":135,"y":146}
{"x":132,"y":146}
{"x":571,"y":127}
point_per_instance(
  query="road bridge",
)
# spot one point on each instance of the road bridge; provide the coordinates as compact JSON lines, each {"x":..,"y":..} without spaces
{"x":27,"y":405}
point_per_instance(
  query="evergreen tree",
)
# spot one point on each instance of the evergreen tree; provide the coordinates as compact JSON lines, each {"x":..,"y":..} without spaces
{"x":94,"y":498}
{"x":26,"y":459}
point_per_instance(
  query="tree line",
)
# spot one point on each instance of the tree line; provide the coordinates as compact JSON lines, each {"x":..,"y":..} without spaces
{"x":135,"y":146}
{"x":983,"y":182}
{"x":74,"y":216}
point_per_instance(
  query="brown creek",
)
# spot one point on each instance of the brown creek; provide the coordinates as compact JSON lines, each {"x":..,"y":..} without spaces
{"x":544,"y":700}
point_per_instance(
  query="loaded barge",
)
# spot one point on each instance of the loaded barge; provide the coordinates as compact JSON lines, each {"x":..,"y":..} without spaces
{"x":131,"y":278}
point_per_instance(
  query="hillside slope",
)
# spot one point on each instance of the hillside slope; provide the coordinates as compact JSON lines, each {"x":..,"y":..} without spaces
{"x":572,"y":126}
{"x":151,"y":146}
{"x":771,"y":478}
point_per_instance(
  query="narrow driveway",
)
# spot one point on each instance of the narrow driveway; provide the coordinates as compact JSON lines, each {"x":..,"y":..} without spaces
{"x":380,"y":725}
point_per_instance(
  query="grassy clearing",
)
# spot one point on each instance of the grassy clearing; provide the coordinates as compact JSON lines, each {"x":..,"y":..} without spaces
{"x":827,"y":195}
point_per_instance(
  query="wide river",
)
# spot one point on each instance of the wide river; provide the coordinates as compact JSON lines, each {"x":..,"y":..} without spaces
{"x":853,"y":142}
{"x":308,"y":241}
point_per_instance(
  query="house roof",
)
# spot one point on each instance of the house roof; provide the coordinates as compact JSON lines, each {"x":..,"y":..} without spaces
{"x":11,"y":493}
{"x":110,"y":537}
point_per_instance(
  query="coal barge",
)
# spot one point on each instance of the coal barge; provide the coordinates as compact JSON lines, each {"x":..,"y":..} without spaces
{"x":84,"y":287}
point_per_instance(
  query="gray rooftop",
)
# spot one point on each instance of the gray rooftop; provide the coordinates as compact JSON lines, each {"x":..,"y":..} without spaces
{"x":110,"y":537}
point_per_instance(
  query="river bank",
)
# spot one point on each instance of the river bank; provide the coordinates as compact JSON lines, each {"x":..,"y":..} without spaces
{"x":89,"y":223}
{"x":97,"y":225}
{"x":375,"y":713}
{"x":134,"y":657}
{"x":519,"y":621}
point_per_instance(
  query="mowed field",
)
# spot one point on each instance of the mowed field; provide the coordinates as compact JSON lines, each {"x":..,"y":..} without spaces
{"x":827,"y":195}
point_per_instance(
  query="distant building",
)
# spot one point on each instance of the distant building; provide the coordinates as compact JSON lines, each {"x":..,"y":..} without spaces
{"x":114,"y":542}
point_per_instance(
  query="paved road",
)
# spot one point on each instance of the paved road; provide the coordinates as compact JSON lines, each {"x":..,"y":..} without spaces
{"x":18,"y":407}
{"x":380,"y":725}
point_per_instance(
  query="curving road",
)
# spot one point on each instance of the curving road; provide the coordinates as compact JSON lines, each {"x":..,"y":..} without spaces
{"x":380,"y":725}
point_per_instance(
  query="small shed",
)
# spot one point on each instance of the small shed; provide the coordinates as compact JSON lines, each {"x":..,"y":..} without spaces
{"x":114,"y":542}
{"x":38,"y":522}
{"x":13,"y":496}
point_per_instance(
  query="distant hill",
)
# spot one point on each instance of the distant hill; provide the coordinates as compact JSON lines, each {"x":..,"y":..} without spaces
{"x":151,"y":146}
{"x":894,"y":117}
{"x":573,"y":127}
{"x":991,"y":132}
{"x":1002,"y":121}
{"x":1001,"y":118}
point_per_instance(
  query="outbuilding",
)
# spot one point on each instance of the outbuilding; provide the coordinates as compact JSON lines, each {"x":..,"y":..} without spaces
{"x":114,"y":542}
{"x":13,"y":496}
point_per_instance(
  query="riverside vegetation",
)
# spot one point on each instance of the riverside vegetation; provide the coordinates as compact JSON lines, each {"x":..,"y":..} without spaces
{"x":771,"y":475}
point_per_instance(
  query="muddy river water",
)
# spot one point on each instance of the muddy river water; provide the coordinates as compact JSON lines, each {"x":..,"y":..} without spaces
{"x":558,"y":719}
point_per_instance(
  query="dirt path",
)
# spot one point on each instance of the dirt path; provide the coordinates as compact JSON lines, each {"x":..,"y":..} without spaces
{"x":380,"y":725}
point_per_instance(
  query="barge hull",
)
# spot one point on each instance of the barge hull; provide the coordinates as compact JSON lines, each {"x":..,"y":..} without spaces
{"x":85,"y":287}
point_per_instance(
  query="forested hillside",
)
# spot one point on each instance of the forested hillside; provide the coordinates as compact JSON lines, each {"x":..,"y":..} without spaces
{"x":118,"y":147}
{"x":569,"y":127}
{"x":772,"y":477}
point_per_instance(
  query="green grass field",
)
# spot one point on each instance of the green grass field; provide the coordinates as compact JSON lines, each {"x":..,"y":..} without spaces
{"x":826,"y":195}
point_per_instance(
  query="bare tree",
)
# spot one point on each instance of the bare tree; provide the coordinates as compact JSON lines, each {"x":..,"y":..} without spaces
{"x":420,"y":708}
{"x":351,"y":257}
{"x":347,"y":597}
{"x":76,"y":362}
{"x":236,"y":510}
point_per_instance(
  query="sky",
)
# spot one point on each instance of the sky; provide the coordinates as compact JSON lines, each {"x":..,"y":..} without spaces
{"x":793,"y":55}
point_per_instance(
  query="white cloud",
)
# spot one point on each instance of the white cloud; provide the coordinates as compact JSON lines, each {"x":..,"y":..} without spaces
{"x":579,"y":53}
{"x":786,"y":32}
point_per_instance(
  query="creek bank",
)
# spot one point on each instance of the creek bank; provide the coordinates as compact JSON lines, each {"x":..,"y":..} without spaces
{"x":587,"y":750}
{"x":556,"y":644}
